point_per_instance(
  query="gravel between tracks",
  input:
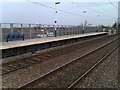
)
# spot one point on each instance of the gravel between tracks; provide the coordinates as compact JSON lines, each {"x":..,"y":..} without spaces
{"x":66,"y":75}
{"x":104,"y":76}
{"x":17,"y":78}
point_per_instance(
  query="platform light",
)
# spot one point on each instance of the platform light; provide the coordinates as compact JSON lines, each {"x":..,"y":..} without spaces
{"x":84,"y":20}
{"x":56,"y":18}
{"x":98,"y":22}
{"x":57,"y":3}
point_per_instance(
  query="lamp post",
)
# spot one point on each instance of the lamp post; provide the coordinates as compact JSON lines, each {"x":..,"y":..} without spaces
{"x":30,"y":31}
{"x":84,"y":21}
{"x":118,"y":25}
{"x":56,"y":3}
{"x":98,"y":22}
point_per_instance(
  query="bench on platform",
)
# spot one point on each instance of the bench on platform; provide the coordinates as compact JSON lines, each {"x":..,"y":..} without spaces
{"x":14,"y":35}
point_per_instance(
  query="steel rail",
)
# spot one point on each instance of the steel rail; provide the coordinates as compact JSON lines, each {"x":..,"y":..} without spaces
{"x":68,"y":63}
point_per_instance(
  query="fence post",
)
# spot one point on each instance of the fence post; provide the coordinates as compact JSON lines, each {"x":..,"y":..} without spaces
{"x":11,"y":27}
{"x":66,"y":30}
{"x":22,"y":28}
{"x":48,"y":29}
{"x":37,"y":29}
{"x":69,"y":30}
{"x":43,"y":30}
{"x":77,"y":29}
{"x":30,"y":30}
{"x":72,"y":30}
{"x":61,"y":31}
{"x":57,"y":30}
{"x":0,"y":33}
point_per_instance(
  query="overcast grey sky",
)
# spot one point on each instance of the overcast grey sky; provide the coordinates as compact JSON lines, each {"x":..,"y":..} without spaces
{"x":71,"y":12}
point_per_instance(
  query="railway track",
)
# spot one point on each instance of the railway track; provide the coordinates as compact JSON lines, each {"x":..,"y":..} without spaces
{"x":60,"y":78}
{"x":16,"y":65}
{"x":89,"y":70}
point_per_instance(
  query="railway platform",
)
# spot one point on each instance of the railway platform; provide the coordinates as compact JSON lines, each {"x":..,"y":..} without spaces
{"x":13,"y":48}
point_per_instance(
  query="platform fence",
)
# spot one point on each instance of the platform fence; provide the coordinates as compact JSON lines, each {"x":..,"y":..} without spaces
{"x":32,"y":31}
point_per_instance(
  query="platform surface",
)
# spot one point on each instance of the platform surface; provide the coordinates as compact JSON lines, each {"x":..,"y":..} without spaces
{"x":20,"y":43}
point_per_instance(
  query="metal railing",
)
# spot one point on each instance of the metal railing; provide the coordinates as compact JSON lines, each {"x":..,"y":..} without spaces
{"x":31,"y":31}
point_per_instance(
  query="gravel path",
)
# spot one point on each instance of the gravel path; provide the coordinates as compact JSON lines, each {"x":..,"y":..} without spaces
{"x":104,"y":76}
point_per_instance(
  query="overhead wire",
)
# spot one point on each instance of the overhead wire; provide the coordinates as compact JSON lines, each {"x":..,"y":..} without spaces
{"x":53,"y":8}
{"x":103,"y":9}
{"x":65,"y":11}
{"x":112,"y":4}
{"x":92,"y":10}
